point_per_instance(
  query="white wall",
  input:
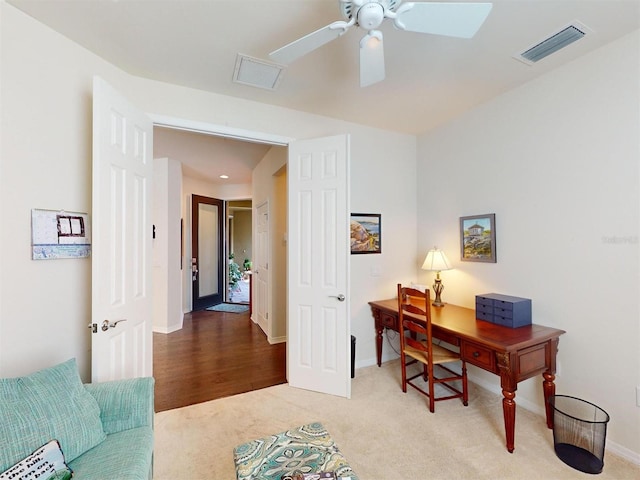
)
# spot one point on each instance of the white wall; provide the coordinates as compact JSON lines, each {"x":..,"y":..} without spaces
{"x":45,"y":162}
{"x":45,"y":142}
{"x":557,"y":162}
{"x":167,"y":274}
{"x":268,"y":186}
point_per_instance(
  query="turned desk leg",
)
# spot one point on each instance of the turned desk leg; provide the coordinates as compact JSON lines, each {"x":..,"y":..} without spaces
{"x":548,"y":385}
{"x":509,"y":385}
{"x":549,"y":389}
{"x":509,"y":411}
{"x":379,"y":331}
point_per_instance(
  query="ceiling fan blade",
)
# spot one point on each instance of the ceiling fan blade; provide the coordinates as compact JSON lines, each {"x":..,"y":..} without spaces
{"x":452,"y":19}
{"x":371,"y":59}
{"x":309,"y":43}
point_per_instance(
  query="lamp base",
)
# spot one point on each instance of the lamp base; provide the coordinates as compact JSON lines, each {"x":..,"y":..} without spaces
{"x":438,"y":287}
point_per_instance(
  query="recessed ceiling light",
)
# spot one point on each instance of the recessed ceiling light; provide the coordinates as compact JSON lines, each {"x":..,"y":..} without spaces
{"x":224,"y":176}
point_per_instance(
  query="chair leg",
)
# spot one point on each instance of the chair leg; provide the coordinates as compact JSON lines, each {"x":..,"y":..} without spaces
{"x":404,"y":372}
{"x":432,"y":401}
{"x":465,"y":391}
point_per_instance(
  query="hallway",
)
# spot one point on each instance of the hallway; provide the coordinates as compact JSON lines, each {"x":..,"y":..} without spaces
{"x":214,"y":355}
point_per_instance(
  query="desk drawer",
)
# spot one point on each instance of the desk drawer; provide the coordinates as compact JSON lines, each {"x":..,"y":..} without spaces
{"x":478,"y":355}
{"x":446,"y":337}
{"x":389,"y":321}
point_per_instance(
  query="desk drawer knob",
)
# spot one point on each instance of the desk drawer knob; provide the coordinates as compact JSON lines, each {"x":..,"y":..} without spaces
{"x":475,"y":354}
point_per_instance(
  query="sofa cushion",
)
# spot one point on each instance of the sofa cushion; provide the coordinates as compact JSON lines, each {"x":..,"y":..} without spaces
{"x":124,"y":455}
{"x":46,"y":463}
{"x":49,"y":404}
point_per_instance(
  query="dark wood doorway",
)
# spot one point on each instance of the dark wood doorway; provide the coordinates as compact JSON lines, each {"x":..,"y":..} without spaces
{"x":207,"y":251}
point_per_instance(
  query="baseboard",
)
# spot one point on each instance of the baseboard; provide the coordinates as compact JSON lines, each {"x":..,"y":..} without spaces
{"x":170,"y":329}
{"x":274,"y":340}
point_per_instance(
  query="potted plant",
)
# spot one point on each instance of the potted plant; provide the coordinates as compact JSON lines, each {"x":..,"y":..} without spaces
{"x":235,"y":275}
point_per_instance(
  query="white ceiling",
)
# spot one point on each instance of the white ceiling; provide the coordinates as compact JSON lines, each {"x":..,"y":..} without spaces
{"x":429,"y":79}
{"x":206,"y":157}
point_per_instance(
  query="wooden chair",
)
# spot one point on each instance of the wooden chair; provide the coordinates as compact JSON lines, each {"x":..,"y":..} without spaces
{"x":414,"y":318}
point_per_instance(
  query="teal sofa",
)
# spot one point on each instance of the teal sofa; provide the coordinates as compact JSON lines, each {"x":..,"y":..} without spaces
{"x":105,"y":430}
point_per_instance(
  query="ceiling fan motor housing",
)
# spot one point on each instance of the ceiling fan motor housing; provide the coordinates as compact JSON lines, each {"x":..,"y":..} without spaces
{"x":370,"y":16}
{"x":368,"y":9}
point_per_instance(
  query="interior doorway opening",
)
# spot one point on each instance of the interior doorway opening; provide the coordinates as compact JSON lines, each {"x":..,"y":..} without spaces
{"x":239,"y":244}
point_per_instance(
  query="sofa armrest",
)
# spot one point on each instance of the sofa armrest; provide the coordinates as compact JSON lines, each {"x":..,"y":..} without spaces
{"x":124,"y":404}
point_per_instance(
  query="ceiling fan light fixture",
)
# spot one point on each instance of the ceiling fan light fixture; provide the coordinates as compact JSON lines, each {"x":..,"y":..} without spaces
{"x":257,"y":73}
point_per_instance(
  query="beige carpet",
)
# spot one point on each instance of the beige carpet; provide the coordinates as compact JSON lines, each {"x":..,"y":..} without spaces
{"x":384,"y":434}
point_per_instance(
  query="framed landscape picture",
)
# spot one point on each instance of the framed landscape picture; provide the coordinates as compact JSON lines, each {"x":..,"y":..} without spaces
{"x":366,"y":233}
{"x":478,"y":238}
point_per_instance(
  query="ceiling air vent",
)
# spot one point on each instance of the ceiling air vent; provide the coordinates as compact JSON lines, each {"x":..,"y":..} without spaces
{"x":552,"y":44}
{"x":257,"y":73}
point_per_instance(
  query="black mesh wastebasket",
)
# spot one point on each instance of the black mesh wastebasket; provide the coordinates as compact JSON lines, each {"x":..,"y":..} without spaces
{"x":579,"y":433}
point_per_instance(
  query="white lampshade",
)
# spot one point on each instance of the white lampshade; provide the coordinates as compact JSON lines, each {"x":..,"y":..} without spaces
{"x":436,"y":261}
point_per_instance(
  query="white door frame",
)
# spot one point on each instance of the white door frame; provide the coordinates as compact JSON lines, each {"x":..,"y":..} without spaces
{"x":219,"y":130}
{"x":261,"y":273}
{"x":224,"y":131}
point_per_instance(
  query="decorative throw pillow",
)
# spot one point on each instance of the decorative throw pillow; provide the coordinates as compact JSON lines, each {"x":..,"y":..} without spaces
{"x":51,"y":403}
{"x":46,"y":463}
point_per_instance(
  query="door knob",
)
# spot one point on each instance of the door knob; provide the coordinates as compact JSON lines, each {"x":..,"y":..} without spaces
{"x":340,"y":297}
{"x":106,"y":325}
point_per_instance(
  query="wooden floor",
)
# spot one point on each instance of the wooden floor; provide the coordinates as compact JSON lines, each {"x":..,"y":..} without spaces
{"x":214,"y":355}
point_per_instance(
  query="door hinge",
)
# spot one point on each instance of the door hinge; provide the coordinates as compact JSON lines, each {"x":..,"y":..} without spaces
{"x":93,"y":327}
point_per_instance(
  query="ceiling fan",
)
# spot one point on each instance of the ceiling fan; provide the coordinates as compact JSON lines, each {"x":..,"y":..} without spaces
{"x":459,"y":19}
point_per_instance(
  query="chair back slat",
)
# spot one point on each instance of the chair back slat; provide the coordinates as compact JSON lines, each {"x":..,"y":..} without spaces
{"x":414,"y":314}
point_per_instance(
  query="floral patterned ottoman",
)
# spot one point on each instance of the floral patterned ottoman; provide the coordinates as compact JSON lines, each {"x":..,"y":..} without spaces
{"x":305,"y":449}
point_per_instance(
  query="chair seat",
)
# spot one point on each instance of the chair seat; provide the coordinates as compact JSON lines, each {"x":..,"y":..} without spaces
{"x":440,"y":354}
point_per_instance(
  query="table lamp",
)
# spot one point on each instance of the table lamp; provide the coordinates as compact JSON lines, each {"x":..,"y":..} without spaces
{"x":437,"y":261}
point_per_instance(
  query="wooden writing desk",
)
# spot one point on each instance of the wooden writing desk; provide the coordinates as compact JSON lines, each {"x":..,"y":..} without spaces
{"x":514,"y":354}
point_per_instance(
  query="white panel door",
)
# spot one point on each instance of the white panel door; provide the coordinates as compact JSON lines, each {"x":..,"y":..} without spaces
{"x":318,"y":329}
{"x":261,"y":268}
{"x":121,"y":252}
